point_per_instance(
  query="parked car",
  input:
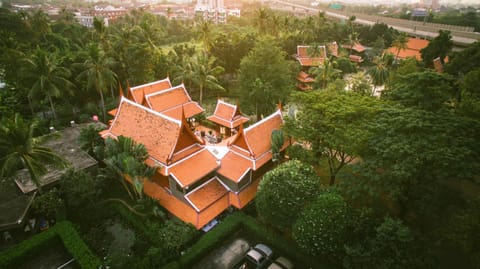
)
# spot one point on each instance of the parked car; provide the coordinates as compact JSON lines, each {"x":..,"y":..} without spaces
{"x":256,"y":258}
{"x":281,"y":263}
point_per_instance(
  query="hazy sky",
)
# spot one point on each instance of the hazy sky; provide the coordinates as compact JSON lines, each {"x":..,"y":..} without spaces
{"x":383,"y":2}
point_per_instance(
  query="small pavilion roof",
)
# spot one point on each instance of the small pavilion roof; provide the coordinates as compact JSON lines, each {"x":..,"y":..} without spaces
{"x":304,"y":77}
{"x":138,"y":93}
{"x":206,"y":194}
{"x":355,"y":58}
{"x":194,"y":167}
{"x":227,"y":115}
{"x":163,"y":136}
{"x":171,"y":101}
{"x":305,"y":59}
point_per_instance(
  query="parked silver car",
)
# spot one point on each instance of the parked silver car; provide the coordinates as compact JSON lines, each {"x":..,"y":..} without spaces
{"x":256,"y":258}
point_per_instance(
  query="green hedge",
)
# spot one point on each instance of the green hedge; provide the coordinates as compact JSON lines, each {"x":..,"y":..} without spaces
{"x":211,"y":240}
{"x":233,"y":223}
{"x":63,"y":231}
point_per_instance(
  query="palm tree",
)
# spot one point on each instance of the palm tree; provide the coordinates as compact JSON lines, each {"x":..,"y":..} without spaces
{"x":325,"y":73}
{"x":204,"y":74}
{"x":261,"y":19}
{"x":401,"y":43}
{"x":126,"y":158}
{"x":97,"y":73}
{"x":380,"y":72}
{"x":46,"y":76}
{"x":19,"y":149}
{"x":205,"y":31}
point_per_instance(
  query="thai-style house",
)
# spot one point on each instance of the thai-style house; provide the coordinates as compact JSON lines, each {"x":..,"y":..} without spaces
{"x":195,"y":180}
{"x":308,"y":57}
{"x":356,"y":51}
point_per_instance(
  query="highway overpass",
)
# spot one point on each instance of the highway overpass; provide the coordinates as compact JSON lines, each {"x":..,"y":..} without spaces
{"x":461,"y":35}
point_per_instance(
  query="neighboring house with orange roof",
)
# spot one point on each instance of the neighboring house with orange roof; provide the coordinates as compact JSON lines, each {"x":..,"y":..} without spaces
{"x":194,"y":181}
{"x":227,"y":117}
{"x":305,"y":57}
{"x":414,"y":45}
{"x":356,"y":52}
{"x":304,"y":81}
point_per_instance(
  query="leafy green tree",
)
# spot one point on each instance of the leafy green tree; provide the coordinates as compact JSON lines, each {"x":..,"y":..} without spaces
{"x":80,"y":190}
{"x":91,"y":141}
{"x":20,"y":149}
{"x":97,"y":73}
{"x":46,"y":77}
{"x":265,"y":77}
{"x":322,"y":227}
{"x":359,"y":84}
{"x":48,"y":203}
{"x":411,"y":155}
{"x":440,"y":46}
{"x":464,"y":61}
{"x":391,"y":246}
{"x":469,"y":103}
{"x":285,"y":191}
{"x":427,"y":90}
{"x":230,"y":47}
{"x":324,"y":121}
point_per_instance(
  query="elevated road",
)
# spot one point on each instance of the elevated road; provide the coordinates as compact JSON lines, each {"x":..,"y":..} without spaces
{"x":461,"y":36}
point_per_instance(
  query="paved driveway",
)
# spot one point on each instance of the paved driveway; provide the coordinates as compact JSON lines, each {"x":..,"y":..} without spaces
{"x":225,"y":256}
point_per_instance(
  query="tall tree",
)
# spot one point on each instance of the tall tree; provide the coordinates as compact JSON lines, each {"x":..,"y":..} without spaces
{"x":47,"y":77}
{"x":380,"y":72}
{"x":440,"y":46}
{"x":265,"y":77}
{"x":400,"y":42}
{"x":285,"y":191}
{"x":204,"y":74}
{"x":427,"y":90}
{"x":97,"y":73}
{"x":324,"y":122}
{"x":20,"y":149}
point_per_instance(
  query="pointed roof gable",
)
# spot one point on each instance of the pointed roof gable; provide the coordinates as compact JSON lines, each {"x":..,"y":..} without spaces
{"x":170,"y":102}
{"x":303,"y":56}
{"x":254,"y":140}
{"x":227,"y":115}
{"x":162,"y":136}
{"x":138,"y":92}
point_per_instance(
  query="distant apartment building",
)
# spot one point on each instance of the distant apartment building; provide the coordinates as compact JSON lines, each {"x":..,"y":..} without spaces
{"x":214,"y":10}
{"x":106,"y":13}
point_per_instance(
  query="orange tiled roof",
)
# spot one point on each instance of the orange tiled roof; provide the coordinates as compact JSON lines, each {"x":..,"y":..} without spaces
{"x":258,"y":135}
{"x":113,"y":112}
{"x":138,"y":93}
{"x":190,"y":109}
{"x":303,"y":56}
{"x":227,"y":115}
{"x":304,"y":77}
{"x":193,"y":167}
{"x":171,"y":100}
{"x":234,"y":166}
{"x":206,"y":194}
{"x":157,"y":132}
{"x":355,"y":58}
{"x":254,"y":142}
{"x":356,"y":47}
{"x":414,"y":45}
